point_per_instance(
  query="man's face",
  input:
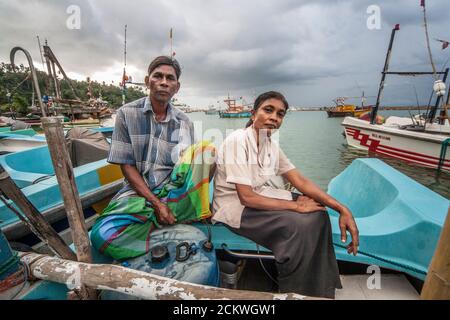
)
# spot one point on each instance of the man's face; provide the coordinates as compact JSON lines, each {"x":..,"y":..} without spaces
{"x":163,"y":83}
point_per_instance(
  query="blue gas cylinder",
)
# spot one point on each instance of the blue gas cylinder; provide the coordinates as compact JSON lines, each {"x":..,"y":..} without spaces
{"x":9,"y":263}
{"x":176,"y":252}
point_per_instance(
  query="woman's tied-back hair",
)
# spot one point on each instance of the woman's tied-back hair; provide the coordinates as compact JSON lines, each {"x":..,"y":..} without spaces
{"x":165,"y":60}
{"x":266,"y":96}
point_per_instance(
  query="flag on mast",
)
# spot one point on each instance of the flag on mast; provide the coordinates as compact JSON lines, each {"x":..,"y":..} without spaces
{"x":445,"y":43}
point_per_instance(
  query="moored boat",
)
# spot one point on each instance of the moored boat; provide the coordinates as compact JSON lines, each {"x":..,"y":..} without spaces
{"x":418,"y":142}
{"x":414,"y":147}
{"x":234,"y":110}
{"x":33,"y":172}
{"x":347,"y":110}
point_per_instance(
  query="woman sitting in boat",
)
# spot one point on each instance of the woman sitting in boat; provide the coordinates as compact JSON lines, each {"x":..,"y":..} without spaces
{"x":251,"y":203}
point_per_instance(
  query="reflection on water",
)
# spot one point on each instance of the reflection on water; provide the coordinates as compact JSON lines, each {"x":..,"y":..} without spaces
{"x":315,"y":145}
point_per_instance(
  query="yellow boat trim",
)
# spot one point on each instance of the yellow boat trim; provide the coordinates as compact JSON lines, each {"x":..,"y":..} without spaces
{"x":109,"y":173}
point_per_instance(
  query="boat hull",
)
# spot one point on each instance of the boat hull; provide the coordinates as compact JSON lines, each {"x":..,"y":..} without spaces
{"x":245,"y":114}
{"x":336,"y":114}
{"x":416,"y":148}
{"x":32,"y":171}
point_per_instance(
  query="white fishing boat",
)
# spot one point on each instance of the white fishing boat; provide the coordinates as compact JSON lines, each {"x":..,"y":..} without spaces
{"x":421,"y":148}
{"x":414,"y":140}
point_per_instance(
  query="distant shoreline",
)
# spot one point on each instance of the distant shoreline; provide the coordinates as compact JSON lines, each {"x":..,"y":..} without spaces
{"x":327,"y":108}
{"x":380,"y":108}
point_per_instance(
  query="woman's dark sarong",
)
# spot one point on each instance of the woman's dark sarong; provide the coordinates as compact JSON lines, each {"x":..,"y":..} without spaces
{"x":302,"y":246}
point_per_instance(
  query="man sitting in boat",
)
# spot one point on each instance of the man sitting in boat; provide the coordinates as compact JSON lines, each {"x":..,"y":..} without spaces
{"x":166,"y":175}
{"x":296,"y":228}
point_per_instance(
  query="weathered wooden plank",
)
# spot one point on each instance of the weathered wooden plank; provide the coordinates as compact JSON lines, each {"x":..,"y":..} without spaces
{"x":437,"y":282}
{"x":62,"y":165}
{"x":18,"y":229}
{"x":64,"y":173}
{"x":133,"y":282}
{"x":34,"y":220}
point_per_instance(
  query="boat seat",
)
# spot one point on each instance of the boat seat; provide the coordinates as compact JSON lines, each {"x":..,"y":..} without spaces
{"x":399,"y":220}
{"x":86,"y":146}
{"x":34,"y":165}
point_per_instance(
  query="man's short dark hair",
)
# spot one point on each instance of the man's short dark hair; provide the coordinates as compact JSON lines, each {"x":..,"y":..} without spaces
{"x":165,"y":60}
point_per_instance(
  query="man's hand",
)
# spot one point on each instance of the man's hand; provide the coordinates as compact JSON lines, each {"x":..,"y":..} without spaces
{"x":306,"y":204}
{"x":163,"y":214}
{"x":347,"y":222}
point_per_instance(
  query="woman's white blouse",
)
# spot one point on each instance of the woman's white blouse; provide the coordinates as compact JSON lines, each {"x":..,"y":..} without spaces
{"x":240,"y":161}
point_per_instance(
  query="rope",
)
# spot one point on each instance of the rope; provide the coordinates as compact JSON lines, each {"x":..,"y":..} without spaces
{"x":14,"y":280}
{"x":401,"y":265}
{"x":428,"y":43}
{"x":26,"y":78}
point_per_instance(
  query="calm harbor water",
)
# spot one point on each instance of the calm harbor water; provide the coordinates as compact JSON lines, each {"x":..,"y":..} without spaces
{"x":315,"y":145}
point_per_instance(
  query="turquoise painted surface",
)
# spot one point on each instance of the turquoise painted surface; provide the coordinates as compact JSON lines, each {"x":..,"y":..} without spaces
{"x":27,"y":166}
{"x":8,"y":263}
{"x":46,"y":290}
{"x":5,"y":131}
{"x":398,"y":219}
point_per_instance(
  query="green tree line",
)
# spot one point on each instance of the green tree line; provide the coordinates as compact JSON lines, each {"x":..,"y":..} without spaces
{"x":16,"y":89}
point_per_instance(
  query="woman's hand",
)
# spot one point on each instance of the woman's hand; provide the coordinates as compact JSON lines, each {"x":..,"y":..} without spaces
{"x":347,"y":222}
{"x":305,"y":205}
{"x":164,"y":214}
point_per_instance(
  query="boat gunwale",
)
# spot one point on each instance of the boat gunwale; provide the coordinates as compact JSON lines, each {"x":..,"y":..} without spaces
{"x":438,"y":139}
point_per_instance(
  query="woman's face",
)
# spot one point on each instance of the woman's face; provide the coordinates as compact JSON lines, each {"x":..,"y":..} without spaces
{"x":269,"y":115}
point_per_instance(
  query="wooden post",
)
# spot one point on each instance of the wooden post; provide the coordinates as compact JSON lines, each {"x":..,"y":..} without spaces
{"x":437,"y":282}
{"x":136,"y":283}
{"x":35,"y":221}
{"x":62,"y":164}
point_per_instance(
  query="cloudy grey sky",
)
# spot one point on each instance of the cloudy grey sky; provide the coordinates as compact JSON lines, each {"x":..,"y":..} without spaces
{"x":312,"y":51}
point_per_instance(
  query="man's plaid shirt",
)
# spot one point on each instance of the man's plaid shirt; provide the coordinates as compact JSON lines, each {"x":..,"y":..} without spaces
{"x":152,"y":146}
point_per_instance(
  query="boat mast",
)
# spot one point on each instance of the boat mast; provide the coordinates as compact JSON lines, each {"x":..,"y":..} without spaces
{"x":171,"y":43}
{"x":40,"y":51}
{"x":124,"y":67}
{"x":373,"y":115}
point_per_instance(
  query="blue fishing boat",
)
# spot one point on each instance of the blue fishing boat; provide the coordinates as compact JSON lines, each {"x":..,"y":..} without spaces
{"x":19,"y":140}
{"x":32,"y":171}
{"x":15,"y":140}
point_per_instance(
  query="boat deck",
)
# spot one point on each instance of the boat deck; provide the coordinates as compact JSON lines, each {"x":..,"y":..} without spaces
{"x":392,"y":286}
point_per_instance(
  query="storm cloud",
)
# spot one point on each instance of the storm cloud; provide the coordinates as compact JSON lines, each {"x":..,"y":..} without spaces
{"x":313,"y":51}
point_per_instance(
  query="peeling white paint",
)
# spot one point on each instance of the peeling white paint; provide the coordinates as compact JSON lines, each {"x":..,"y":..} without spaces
{"x":285,"y":296}
{"x":74,"y":280}
{"x":140,"y":284}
